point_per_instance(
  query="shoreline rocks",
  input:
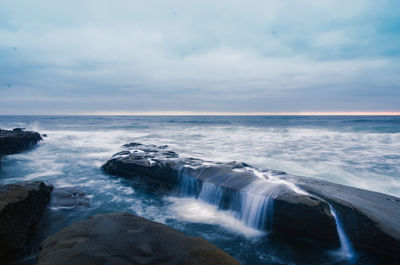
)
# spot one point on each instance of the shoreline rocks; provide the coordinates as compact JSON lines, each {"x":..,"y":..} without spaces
{"x":21,"y":206}
{"x":294,"y":215}
{"x":123,"y":238}
{"x":301,"y":206}
{"x":17,"y":140}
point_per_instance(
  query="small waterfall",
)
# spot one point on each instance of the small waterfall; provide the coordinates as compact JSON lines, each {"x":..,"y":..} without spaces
{"x":188,"y":184}
{"x":256,"y":210}
{"x":346,"y":248}
{"x":211,"y":193}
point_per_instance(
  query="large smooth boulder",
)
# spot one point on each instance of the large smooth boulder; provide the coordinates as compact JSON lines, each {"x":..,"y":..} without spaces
{"x":302,"y":207}
{"x":295,"y":215}
{"x":122,"y":239}
{"x":21,"y":206}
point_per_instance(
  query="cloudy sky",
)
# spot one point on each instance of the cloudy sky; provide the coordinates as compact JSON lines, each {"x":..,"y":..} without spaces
{"x":93,"y":56}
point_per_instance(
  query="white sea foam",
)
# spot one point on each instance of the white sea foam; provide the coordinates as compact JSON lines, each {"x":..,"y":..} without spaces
{"x":197,"y":211}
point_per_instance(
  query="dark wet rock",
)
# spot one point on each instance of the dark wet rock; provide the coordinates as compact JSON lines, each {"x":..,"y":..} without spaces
{"x":17,"y":140}
{"x":233,"y":179}
{"x":370,"y":219}
{"x":301,"y":206}
{"x":122,"y":238}
{"x":21,"y":207}
{"x":305,"y":217}
{"x":69,"y":198}
{"x":133,"y":144}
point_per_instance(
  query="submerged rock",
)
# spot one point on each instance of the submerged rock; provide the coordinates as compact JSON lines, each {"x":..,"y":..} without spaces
{"x":122,"y":238}
{"x":69,"y":198}
{"x":21,"y":207}
{"x":288,"y":206}
{"x":17,"y":140}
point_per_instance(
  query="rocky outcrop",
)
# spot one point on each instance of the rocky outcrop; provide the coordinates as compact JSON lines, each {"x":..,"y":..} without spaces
{"x":17,"y":140}
{"x":21,"y":206}
{"x":69,"y":197}
{"x":301,"y":206}
{"x":295,"y":214}
{"x":371,"y":219}
{"x":122,"y":238}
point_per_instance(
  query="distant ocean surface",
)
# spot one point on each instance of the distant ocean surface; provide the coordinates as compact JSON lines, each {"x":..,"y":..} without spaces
{"x":360,"y":151}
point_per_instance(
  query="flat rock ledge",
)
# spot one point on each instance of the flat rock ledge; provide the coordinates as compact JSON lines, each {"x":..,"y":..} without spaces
{"x":295,"y":215}
{"x":21,"y":206}
{"x":122,"y":239}
{"x":17,"y":140}
{"x":371,"y":220}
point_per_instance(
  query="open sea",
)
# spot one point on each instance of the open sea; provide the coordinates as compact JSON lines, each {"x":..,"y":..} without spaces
{"x":359,"y":151}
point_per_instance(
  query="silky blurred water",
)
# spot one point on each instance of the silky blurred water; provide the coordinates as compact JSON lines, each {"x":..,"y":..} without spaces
{"x":357,"y":151}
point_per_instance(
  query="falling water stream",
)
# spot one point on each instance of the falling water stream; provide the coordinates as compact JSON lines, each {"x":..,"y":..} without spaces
{"x":346,"y":248}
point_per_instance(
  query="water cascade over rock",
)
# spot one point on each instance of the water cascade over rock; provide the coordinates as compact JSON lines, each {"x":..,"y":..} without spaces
{"x":260,"y":199}
{"x":346,"y":249}
{"x":289,"y":207}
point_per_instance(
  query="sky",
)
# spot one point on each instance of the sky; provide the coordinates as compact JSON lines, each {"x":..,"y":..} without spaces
{"x":225,"y":56}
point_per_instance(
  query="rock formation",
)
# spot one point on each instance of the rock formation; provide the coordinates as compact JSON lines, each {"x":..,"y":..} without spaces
{"x":122,"y":238}
{"x":17,"y":140}
{"x":21,"y":206}
{"x":288,"y":206}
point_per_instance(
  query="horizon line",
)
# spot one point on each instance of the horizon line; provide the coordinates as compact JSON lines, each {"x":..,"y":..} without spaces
{"x":191,"y":113}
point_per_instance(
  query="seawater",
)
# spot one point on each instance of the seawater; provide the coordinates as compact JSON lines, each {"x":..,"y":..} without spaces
{"x":360,"y":151}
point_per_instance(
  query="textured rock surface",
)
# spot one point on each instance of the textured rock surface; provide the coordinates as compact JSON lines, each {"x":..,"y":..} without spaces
{"x":69,"y":198}
{"x":371,"y":219}
{"x":295,"y":215}
{"x":21,"y":207}
{"x":17,"y":140}
{"x":122,"y":238}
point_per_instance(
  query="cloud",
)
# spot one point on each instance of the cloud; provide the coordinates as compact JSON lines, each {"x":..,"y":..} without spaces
{"x":90,"y":56}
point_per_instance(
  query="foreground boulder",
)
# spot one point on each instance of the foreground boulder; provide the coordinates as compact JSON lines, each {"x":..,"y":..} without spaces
{"x":17,"y":140}
{"x":21,"y":206}
{"x":288,"y":206}
{"x":122,"y":238}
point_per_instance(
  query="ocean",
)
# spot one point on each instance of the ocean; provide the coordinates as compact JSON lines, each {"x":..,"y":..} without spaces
{"x":359,"y":151}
